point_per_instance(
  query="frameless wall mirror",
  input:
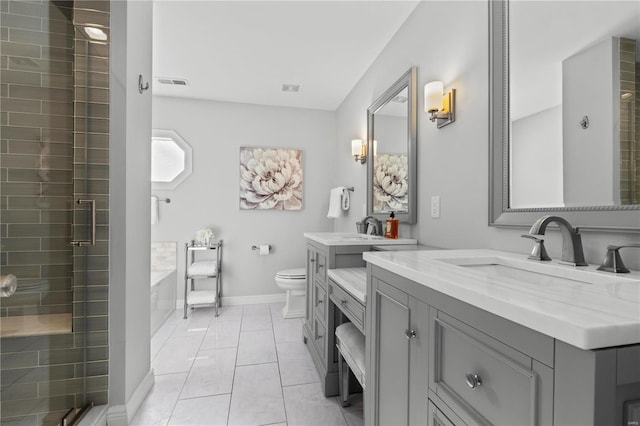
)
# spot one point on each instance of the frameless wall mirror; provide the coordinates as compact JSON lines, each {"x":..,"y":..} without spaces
{"x":391,"y":138}
{"x":565,"y":117}
{"x":171,"y":159}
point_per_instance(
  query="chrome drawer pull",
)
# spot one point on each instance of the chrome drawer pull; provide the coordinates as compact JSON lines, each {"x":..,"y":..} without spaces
{"x":473,"y":380}
{"x":343,"y":302}
{"x":410,"y":334}
{"x":320,"y":301}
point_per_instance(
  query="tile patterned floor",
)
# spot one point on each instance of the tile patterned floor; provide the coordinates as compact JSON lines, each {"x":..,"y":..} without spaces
{"x":246,"y":367}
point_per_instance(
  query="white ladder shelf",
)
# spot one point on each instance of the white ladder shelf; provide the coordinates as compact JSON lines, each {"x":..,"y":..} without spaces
{"x":200,"y":269}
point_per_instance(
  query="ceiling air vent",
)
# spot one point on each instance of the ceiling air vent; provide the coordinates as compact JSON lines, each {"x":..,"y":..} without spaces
{"x":173,"y":81}
{"x":291,"y":88}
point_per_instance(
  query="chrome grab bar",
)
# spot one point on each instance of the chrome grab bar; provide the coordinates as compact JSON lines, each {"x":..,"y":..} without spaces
{"x":92,"y":240}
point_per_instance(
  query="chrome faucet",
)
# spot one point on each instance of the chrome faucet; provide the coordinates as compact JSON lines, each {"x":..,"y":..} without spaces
{"x":368,"y":223}
{"x":612,"y":261}
{"x":571,"y":239}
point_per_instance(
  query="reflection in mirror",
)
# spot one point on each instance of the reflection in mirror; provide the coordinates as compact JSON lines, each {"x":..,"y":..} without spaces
{"x":571,"y":104}
{"x":390,"y":166}
{"x":170,"y":159}
{"x":565,"y":122}
{"x":392,"y":142}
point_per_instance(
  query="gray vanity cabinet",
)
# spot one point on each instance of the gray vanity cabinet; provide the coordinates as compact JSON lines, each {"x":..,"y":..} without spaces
{"x":424,"y":355}
{"x":397,"y":368}
{"x":467,"y":366}
{"x":321,"y":316}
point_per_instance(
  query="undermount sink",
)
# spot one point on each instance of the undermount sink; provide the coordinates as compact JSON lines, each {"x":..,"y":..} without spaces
{"x":533,"y":272}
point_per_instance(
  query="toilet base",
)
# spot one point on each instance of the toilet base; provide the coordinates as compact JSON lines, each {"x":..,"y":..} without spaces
{"x":295,"y":305}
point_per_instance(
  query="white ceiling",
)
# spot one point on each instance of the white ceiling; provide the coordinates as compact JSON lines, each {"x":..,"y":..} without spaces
{"x":243,"y":51}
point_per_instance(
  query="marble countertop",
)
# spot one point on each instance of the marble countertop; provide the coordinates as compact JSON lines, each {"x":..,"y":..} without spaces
{"x":578,"y":305}
{"x":354,"y":239}
{"x":352,"y":280}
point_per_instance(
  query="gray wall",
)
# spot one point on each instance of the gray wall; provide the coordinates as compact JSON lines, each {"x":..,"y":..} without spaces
{"x":591,"y":162}
{"x":536,"y":140}
{"x":210,"y":196}
{"x":130,"y":189}
{"x":453,"y":161}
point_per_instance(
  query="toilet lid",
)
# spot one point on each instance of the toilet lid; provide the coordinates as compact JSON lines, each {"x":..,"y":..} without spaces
{"x":297,"y":273}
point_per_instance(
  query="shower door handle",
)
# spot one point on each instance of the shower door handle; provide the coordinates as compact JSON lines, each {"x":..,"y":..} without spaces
{"x":92,"y":240}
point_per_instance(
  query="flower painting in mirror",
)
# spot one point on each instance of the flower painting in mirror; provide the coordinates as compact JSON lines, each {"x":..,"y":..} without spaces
{"x":270,"y":179}
{"x":390,"y":184}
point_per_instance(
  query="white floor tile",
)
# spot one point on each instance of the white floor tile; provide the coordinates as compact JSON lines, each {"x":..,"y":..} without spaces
{"x":256,"y":347}
{"x":211,"y":374}
{"x":231,"y":312}
{"x":210,"y":411}
{"x":177,"y":355}
{"x":193,"y":325}
{"x":222,"y":334}
{"x":158,"y":405}
{"x":161,"y":336}
{"x":257,"y":396}
{"x":258,"y":309}
{"x":254,"y":322}
{"x":287,"y":330}
{"x":200,"y":360}
{"x":354,"y":414}
{"x":306,"y":405}
{"x":296,"y":365}
{"x":276,"y":309}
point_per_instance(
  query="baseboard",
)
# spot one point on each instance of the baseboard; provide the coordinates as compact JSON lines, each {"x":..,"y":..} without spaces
{"x":246,"y":300}
{"x":124,"y":413}
{"x":97,"y":416}
{"x":254,"y":300}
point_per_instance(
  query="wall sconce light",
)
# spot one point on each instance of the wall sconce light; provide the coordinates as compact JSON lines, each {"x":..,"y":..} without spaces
{"x":359,"y":150}
{"x":440,"y":106}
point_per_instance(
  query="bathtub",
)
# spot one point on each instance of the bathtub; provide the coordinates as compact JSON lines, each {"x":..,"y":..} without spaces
{"x":163,"y":297}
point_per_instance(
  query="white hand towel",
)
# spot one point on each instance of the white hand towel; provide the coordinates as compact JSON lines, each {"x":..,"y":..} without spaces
{"x":334,"y":202}
{"x":346,"y":200}
{"x":205,"y":268}
{"x":155,"y":210}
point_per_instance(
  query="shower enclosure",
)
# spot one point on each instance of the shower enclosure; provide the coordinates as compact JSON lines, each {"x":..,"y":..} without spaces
{"x":54,"y":194}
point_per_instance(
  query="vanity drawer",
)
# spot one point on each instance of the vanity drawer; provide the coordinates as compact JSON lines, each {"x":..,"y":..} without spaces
{"x":319,"y":302}
{"x":438,"y":418}
{"x":320,"y":267}
{"x":319,"y":338}
{"x":348,"y":304}
{"x":482,"y":379}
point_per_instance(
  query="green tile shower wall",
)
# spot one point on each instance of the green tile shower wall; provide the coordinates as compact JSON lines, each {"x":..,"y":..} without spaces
{"x":629,"y":126}
{"x":50,"y":78}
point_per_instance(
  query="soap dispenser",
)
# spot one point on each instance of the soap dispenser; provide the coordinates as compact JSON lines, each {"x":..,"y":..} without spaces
{"x":391,"y":230}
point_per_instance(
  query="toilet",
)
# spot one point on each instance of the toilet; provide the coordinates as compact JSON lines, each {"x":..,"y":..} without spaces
{"x":294,"y":282}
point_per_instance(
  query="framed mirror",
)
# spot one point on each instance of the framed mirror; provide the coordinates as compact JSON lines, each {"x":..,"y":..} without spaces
{"x":171,"y":159}
{"x":391,"y":144}
{"x":564,"y":116}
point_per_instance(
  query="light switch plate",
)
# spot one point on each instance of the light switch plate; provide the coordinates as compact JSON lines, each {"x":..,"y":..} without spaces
{"x":435,"y":206}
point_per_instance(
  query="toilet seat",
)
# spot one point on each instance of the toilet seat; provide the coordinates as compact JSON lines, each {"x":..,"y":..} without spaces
{"x":292,"y":274}
{"x":293,"y":282}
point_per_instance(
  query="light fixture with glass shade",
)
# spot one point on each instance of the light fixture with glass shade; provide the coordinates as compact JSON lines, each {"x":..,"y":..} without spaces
{"x":359,"y":150}
{"x":440,"y":105}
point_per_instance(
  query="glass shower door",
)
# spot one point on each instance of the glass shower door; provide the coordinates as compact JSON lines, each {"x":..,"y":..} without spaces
{"x":53,"y":309}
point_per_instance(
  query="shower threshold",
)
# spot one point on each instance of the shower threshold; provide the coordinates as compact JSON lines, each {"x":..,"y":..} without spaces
{"x":35,"y":325}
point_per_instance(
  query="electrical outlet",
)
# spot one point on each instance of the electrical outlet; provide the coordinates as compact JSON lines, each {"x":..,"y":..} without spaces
{"x":435,"y":206}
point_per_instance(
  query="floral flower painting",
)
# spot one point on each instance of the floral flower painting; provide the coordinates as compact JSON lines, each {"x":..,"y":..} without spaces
{"x":390,"y":185}
{"x":270,"y":179}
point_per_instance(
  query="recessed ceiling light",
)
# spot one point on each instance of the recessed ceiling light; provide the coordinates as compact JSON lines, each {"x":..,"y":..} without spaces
{"x":95,"y":33}
{"x":291,"y":88}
